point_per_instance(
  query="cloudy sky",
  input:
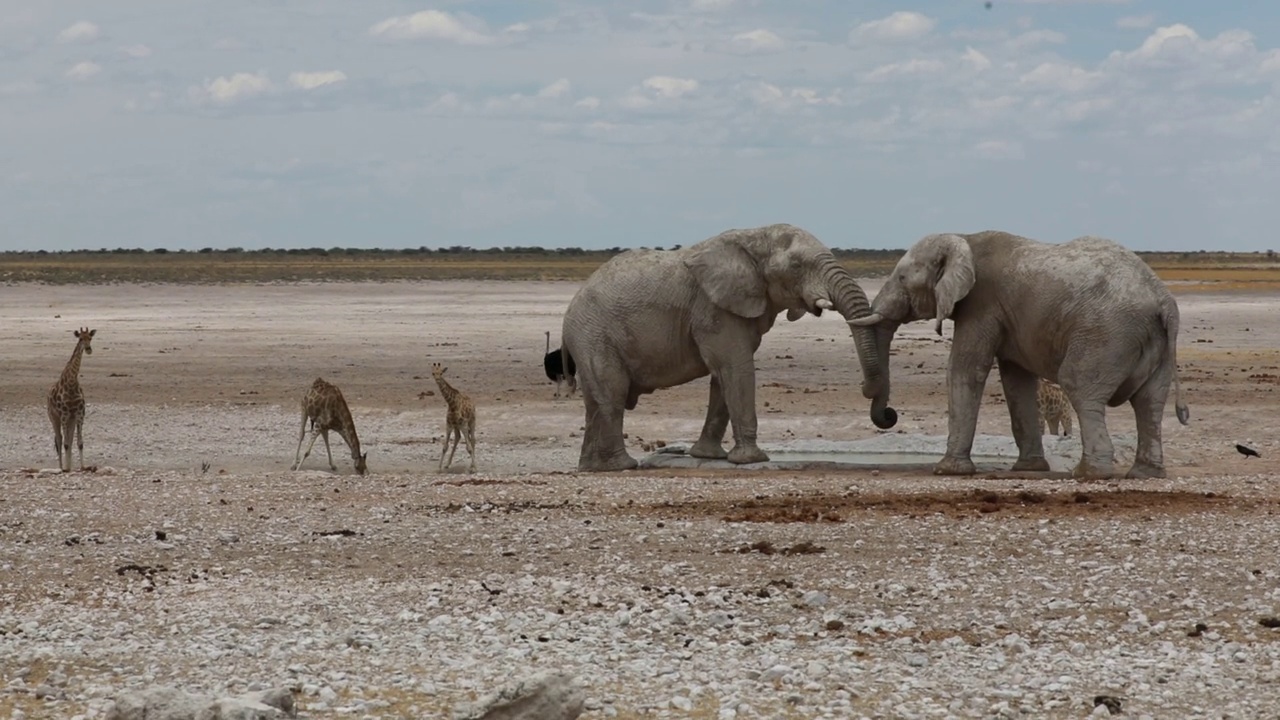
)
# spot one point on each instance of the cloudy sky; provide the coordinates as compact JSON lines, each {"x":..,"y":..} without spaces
{"x":599,"y":123}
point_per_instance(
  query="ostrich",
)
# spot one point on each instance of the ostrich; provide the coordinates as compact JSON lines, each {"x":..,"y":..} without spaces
{"x":553,"y":363}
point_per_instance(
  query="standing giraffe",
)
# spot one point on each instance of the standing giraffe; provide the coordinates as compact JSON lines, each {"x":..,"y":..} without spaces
{"x":461,"y":420}
{"x":66,"y":403}
{"x":327,"y":410}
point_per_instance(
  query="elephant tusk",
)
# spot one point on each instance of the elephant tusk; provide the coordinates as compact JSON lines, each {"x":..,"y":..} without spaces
{"x":824,"y":304}
{"x":866,"y":320}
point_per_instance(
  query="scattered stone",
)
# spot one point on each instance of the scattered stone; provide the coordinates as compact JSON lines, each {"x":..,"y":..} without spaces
{"x":1270,"y":621}
{"x":1110,"y":702}
{"x":545,"y":696}
{"x":170,"y":703}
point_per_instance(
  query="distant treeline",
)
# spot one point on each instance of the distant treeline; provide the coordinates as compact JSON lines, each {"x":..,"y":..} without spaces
{"x":860,"y":254}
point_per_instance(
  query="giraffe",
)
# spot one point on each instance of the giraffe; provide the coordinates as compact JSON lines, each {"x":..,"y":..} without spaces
{"x":66,"y":403}
{"x":461,"y":420}
{"x":327,"y":410}
{"x":1055,"y":408}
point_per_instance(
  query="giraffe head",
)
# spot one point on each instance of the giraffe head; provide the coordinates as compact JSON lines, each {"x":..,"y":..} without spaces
{"x":437,"y":370}
{"x":85,"y":336}
{"x":361,"y":465}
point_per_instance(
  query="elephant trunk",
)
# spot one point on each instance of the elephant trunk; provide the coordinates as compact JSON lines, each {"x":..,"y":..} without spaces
{"x":848,"y":299}
{"x":880,"y":398}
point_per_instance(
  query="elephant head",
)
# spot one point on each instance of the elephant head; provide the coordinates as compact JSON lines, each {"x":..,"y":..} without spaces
{"x":929,"y":280}
{"x":782,"y":267}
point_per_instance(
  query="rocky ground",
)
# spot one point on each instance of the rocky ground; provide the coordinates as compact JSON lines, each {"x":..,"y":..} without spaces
{"x":190,"y":555}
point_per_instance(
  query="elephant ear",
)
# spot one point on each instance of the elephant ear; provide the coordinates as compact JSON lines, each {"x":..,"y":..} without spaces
{"x":729,"y":276}
{"x":955,"y":276}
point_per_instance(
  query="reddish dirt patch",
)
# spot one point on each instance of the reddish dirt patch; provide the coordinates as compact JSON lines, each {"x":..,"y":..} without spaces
{"x":956,"y":504}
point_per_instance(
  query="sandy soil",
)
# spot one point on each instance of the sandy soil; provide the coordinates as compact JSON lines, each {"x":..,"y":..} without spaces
{"x":184,"y":376}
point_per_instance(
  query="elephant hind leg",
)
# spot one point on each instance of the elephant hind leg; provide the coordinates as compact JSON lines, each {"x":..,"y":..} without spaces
{"x":1024,"y":415}
{"x":603,"y":447}
{"x":1148,"y":410}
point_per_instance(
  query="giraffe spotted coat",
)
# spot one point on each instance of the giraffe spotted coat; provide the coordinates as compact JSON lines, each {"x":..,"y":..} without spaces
{"x":1055,"y":408}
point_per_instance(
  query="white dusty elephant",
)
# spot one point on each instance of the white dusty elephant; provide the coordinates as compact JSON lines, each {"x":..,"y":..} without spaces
{"x":1087,"y":314}
{"x":650,"y":319}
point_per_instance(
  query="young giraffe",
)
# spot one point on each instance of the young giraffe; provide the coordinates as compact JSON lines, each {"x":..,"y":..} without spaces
{"x":327,"y":410}
{"x":461,"y":420}
{"x":1055,"y":408}
{"x":66,"y":403}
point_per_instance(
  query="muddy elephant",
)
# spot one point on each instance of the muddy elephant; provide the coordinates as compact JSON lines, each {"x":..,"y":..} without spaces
{"x":1087,"y":314}
{"x":650,"y":319}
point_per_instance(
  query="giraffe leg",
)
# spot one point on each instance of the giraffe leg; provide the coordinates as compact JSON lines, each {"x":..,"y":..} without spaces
{"x":297,"y":455}
{"x":457,"y":437}
{"x":471,"y":447}
{"x":68,"y":431}
{"x":79,"y":441}
{"x":57,"y":440}
{"x":329,"y":453}
{"x":314,"y":435}
{"x":444,"y":451}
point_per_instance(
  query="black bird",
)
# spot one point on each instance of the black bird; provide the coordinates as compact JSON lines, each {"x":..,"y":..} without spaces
{"x":553,"y":363}
{"x":1247,"y":451}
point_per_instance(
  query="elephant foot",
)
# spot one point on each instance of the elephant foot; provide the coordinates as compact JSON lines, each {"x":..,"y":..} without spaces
{"x":613,"y":463}
{"x":1087,"y":471}
{"x":954,"y":466}
{"x":1031,"y":463}
{"x":1145,"y":470}
{"x":742,"y":454}
{"x":708,"y":449}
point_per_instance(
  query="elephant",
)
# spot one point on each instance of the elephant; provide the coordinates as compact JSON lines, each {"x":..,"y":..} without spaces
{"x":1088,"y":314}
{"x":651,"y":319}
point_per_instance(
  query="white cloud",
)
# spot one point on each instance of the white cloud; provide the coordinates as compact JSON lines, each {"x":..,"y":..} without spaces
{"x":670,"y":87}
{"x":81,"y":32}
{"x":588,"y":103}
{"x":914,"y":66}
{"x":313,"y":80}
{"x":1060,"y":76}
{"x":998,"y":150}
{"x":1136,"y":22}
{"x":433,"y":25}
{"x":557,"y":89}
{"x":136,"y":51}
{"x":757,"y":41}
{"x":975,"y":59}
{"x":901,"y":26}
{"x":775,"y":98}
{"x":226,"y":90}
{"x":83,"y":71}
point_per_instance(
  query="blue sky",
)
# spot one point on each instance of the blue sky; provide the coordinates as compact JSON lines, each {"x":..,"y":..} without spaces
{"x":379,"y":123}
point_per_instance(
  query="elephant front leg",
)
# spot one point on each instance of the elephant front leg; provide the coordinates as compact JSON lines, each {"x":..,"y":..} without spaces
{"x":738,"y":383}
{"x":1024,"y":415}
{"x":966,"y":377}
{"x":710,"y":443}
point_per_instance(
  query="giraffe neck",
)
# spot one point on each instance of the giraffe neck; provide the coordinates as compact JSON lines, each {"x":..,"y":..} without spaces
{"x":71,"y":374}
{"x":347,"y":429}
{"x":449,"y":393}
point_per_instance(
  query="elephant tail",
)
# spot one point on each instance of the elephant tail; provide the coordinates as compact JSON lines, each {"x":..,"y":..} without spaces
{"x":1170,"y":317}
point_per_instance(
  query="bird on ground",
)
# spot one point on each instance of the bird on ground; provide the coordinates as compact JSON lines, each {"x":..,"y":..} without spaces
{"x":1247,"y":451}
{"x":554,"y":364}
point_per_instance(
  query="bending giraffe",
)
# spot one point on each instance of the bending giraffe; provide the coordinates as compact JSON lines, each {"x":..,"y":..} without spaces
{"x":66,"y":403}
{"x":460,"y":421}
{"x":327,"y":410}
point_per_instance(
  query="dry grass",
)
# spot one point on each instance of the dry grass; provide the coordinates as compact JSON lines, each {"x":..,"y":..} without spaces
{"x":1212,"y":271}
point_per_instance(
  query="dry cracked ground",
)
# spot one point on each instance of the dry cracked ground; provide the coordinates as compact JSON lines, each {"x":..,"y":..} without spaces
{"x":190,"y":554}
